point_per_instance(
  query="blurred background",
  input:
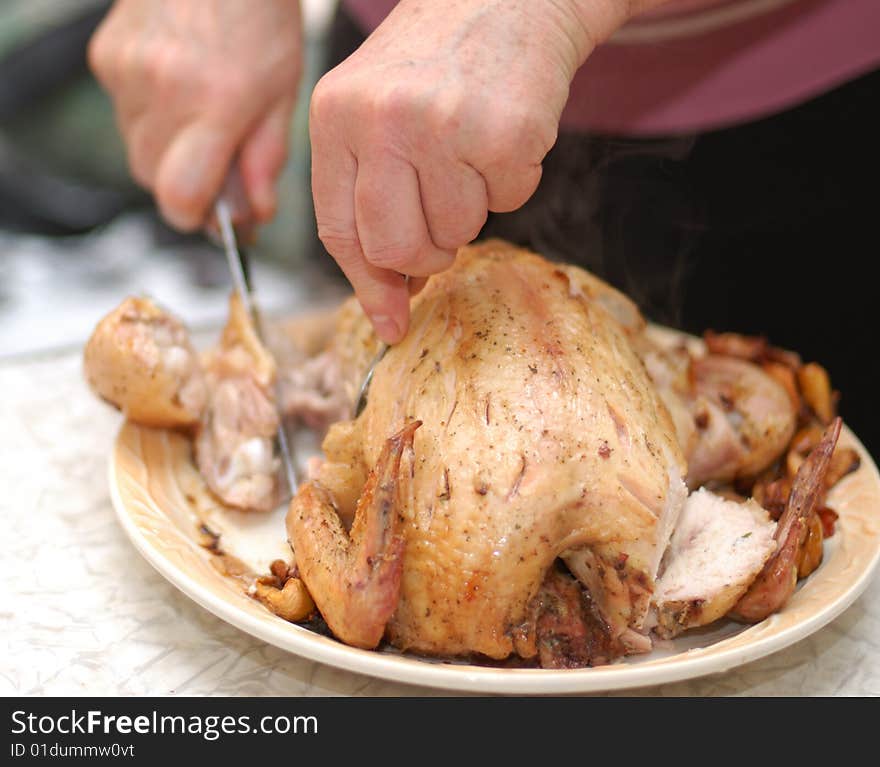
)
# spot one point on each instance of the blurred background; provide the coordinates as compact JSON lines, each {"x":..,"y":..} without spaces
{"x":76,"y":233}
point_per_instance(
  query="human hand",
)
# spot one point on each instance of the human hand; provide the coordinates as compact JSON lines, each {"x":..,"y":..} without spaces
{"x":195,"y":84}
{"x":445,"y":113}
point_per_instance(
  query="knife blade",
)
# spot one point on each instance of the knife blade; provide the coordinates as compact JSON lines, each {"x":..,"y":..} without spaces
{"x":361,"y":401}
{"x":236,"y":258}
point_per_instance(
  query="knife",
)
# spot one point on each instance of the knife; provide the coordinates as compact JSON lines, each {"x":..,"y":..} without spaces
{"x":361,"y":401}
{"x":233,"y":198}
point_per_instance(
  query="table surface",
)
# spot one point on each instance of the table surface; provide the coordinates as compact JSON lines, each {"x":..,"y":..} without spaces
{"x":83,"y":614}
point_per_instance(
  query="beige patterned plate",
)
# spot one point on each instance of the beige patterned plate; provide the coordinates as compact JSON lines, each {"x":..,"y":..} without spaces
{"x":165,"y":510}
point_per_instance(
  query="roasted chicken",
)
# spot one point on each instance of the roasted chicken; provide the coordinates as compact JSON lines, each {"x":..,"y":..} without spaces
{"x":541,"y":437}
{"x":517,"y":485}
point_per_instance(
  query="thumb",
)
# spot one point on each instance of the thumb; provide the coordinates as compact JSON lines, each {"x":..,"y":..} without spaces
{"x":191,"y":173}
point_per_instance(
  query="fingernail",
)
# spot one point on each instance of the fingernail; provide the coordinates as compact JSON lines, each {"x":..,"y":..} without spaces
{"x":386,"y":328}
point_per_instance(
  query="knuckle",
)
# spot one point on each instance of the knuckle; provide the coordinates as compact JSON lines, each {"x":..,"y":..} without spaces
{"x":542,"y":135}
{"x":454,"y":234}
{"x":340,"y":242}
{"x":98,"y":53}
{"x":536,"y":135}
{"x":324,"y":101}
{"x":165,"y":67}
{"x":228,"y":91}
{"x":393,"y":255}
{"x":128,"y":62}
{"x":511,"y":191}
{"x":426,"y":260}
{"x":447,"y":115}
{"x":502,"y":148}
{"x":520,"y":136}
{"x":394,"y":104}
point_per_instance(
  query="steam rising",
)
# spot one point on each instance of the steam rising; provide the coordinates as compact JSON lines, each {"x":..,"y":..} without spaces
{"x":622,"y":208}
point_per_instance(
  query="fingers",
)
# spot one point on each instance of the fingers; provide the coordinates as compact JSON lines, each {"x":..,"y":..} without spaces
{"x":390,"y":221}
{"x":455,"y":202}
{"x":195,"y":159}
{"x":176,"y":148}
{"x":416,"y":285}
{"x":180,"y":74}
{"x":511,"y":187}
{"x":372,"y":220}
{"x":146,"y":139}
{"x":508,"y":154}
{"x":262,"y":159}
{"x":382,"y":292}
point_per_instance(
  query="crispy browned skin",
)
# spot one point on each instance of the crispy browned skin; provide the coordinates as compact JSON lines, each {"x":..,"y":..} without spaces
{"x":542,"y":435}
{"x":355,"y":578}
{"x":139,"y":359}
{"x":570,"y":632}
{"x":776,"y":582}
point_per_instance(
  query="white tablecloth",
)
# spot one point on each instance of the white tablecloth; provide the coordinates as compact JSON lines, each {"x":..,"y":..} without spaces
{"x":83,"y":614}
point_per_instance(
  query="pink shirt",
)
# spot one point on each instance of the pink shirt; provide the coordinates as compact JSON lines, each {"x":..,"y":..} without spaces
{"x":696,"y":65}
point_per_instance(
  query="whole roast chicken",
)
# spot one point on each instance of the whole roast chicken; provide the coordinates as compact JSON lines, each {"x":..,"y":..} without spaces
{"x":517,"y":487}
{"x":514,"y":425}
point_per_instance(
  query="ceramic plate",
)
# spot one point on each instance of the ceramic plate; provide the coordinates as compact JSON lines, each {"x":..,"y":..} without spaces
{"x":165,"y":509}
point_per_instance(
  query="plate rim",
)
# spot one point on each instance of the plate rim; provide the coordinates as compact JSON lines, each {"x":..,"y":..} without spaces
{"x":304,"y":643}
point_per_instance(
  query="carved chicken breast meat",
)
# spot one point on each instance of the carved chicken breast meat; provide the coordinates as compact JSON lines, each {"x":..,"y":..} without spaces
{"x":523,"y":427}
{"x":717,"y":549}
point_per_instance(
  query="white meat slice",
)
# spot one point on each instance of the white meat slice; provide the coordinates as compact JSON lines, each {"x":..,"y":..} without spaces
{"x":718,"y":548}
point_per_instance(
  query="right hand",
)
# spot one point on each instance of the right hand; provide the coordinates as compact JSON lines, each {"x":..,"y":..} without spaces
{"x":195,"y":84}
{"x":444,"y":114}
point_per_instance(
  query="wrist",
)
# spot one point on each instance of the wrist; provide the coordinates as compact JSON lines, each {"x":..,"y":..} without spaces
{"x":594,"y":21}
